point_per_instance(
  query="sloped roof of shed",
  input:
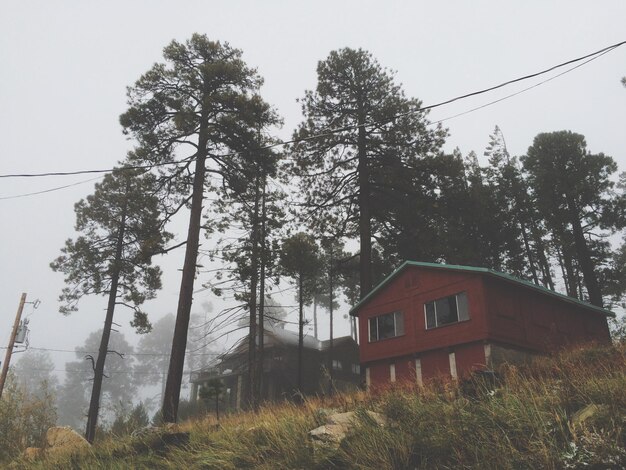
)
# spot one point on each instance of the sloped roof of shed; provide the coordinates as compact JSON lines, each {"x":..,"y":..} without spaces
{"x":482,"y":271}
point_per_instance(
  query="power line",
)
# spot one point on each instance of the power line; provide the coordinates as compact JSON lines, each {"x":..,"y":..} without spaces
{"x":329,"y":132}
{"x":109,"y":170}
{"x":125,"y":354}
{"x":520,"y":91}
{"x":50,"y":190}
{"x":88,"y":371}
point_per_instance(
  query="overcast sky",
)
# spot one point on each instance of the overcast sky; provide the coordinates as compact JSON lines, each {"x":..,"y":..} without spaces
{"x":65,"y":65}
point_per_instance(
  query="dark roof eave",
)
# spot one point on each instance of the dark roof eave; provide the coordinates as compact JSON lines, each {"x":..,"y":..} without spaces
{"x":489,"y":272}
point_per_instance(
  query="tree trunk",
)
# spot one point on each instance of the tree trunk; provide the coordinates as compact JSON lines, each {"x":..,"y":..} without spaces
{"x":541,"y":254}
{"x":96,"y":389}
{"x":365,"y":223}
{"x":185,"y":298}
{"x":529,"y":254}
{"x":262,"y":296}
{"x":315,"y":317}
{"x":584,"y":258}
{"x":567,"y":267}
{"x":330,"y":314}
{"x":300,"y":332}
{"x":254,"y":279}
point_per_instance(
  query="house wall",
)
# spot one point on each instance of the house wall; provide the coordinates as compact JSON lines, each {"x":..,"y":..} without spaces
{"x":408,"y":293}
{"x":506,"y":320}
{"x":469,"y":358}
{"x":346,"y":351}
{"x":522,"y":318}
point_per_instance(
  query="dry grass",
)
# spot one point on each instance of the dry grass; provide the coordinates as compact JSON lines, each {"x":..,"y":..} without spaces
{"x":525,"y":423}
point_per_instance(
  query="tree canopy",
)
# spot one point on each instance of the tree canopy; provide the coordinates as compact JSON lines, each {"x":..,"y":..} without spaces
{"x":203,"y":105}
{"x":572,"y":188}
{"x":358,"y":149}
{"x":122,"y":215}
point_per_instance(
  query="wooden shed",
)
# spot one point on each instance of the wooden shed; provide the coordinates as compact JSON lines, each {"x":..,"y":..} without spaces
{"x":427,"y":320}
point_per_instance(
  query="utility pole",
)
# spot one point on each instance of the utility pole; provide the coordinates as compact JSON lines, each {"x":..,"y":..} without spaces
{"x":7,"y":357}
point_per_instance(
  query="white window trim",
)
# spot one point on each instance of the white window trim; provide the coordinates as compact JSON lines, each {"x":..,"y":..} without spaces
{"x":434,"y":302}
{"x":395,"y":326}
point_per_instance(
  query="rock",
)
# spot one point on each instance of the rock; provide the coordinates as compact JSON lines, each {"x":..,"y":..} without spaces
{"x":65,"y":436}
{"x":584,"y":414}
{"x":159,"y":439}
{"x":338,"y":425}
{"x":64,"y":440}
{"x":32,"y":453}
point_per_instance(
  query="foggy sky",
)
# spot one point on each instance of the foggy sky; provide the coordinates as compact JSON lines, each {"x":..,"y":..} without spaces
{"x":64,"y":67}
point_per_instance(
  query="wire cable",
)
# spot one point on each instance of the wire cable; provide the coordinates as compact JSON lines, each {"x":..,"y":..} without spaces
{"x":125,"y":354}
{"x":50,"y":190}
{"x":520,"y":91}
{"x":330,"y":132}
{"x":108,"y":170}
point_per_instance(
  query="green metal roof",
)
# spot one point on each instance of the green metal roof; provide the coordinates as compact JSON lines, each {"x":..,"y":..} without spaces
{"x":472,"y":269}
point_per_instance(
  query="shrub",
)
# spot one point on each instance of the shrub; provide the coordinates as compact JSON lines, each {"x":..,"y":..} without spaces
{"x":25,"y":416}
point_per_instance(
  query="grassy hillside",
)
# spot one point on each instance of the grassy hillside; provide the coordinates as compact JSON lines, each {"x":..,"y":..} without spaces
{"x":532,"y":420}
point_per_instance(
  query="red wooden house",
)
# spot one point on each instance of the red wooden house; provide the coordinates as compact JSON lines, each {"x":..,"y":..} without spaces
{"x":427,"y":320}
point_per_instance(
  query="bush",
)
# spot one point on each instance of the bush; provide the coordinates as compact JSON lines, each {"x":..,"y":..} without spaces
{"x":126,"y":423}
{"x":25,"y":416}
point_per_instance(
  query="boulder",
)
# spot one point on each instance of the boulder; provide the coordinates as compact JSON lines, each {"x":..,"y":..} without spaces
{"x":159,"y":439}
{"x":584,"y":414}
{"x":32,"y":453}
{"x":338,"y":425}
{"x":63,"y":439}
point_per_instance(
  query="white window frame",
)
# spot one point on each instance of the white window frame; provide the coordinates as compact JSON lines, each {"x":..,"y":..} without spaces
{"x":434,"y":302}
{"x":396,"y":333}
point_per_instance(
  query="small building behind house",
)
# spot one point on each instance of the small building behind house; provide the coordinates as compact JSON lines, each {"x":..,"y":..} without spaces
{"x":280,"y":368}
{"x":429,"y":320}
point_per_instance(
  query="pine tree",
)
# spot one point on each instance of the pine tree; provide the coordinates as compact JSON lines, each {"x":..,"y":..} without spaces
{"x":524,"y":247}
{"x":121,"y":386}
{"x":359,"y":143}
{"x":203,"y":104}
{"x":300,"y":260}
{"x":121,"y":230}
{"x":572,"y":188}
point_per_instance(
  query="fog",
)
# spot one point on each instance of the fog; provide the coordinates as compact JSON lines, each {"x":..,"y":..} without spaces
{"x":65,"y":66}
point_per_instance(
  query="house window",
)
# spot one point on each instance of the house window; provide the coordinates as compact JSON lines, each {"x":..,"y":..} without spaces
{"x":337,"y":365}
{"x":356,"y":369}
{"x":447,"y":310}
{"x":386,"y":326}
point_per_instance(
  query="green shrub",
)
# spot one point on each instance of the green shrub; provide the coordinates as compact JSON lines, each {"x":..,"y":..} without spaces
{"x":24,"y":418}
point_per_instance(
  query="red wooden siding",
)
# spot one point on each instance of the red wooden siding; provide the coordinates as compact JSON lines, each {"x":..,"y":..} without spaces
{"x":469,"y":358}
{"x":532,"y":320}
{"x":408,"y":293}
{"x":515,"y":316}
{"x":379,"y":373}
{"x":435,"y":364}
{"x":405,"y":369}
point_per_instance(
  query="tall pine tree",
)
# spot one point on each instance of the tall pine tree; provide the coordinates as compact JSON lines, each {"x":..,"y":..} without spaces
{"x":572,"y":188}
{"x":201,"y":104}
{"x":358,"y":143}
{"x":121,"y":229}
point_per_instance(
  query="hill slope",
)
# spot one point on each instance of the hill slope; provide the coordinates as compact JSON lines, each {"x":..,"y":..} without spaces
{"x":563,"y":412}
